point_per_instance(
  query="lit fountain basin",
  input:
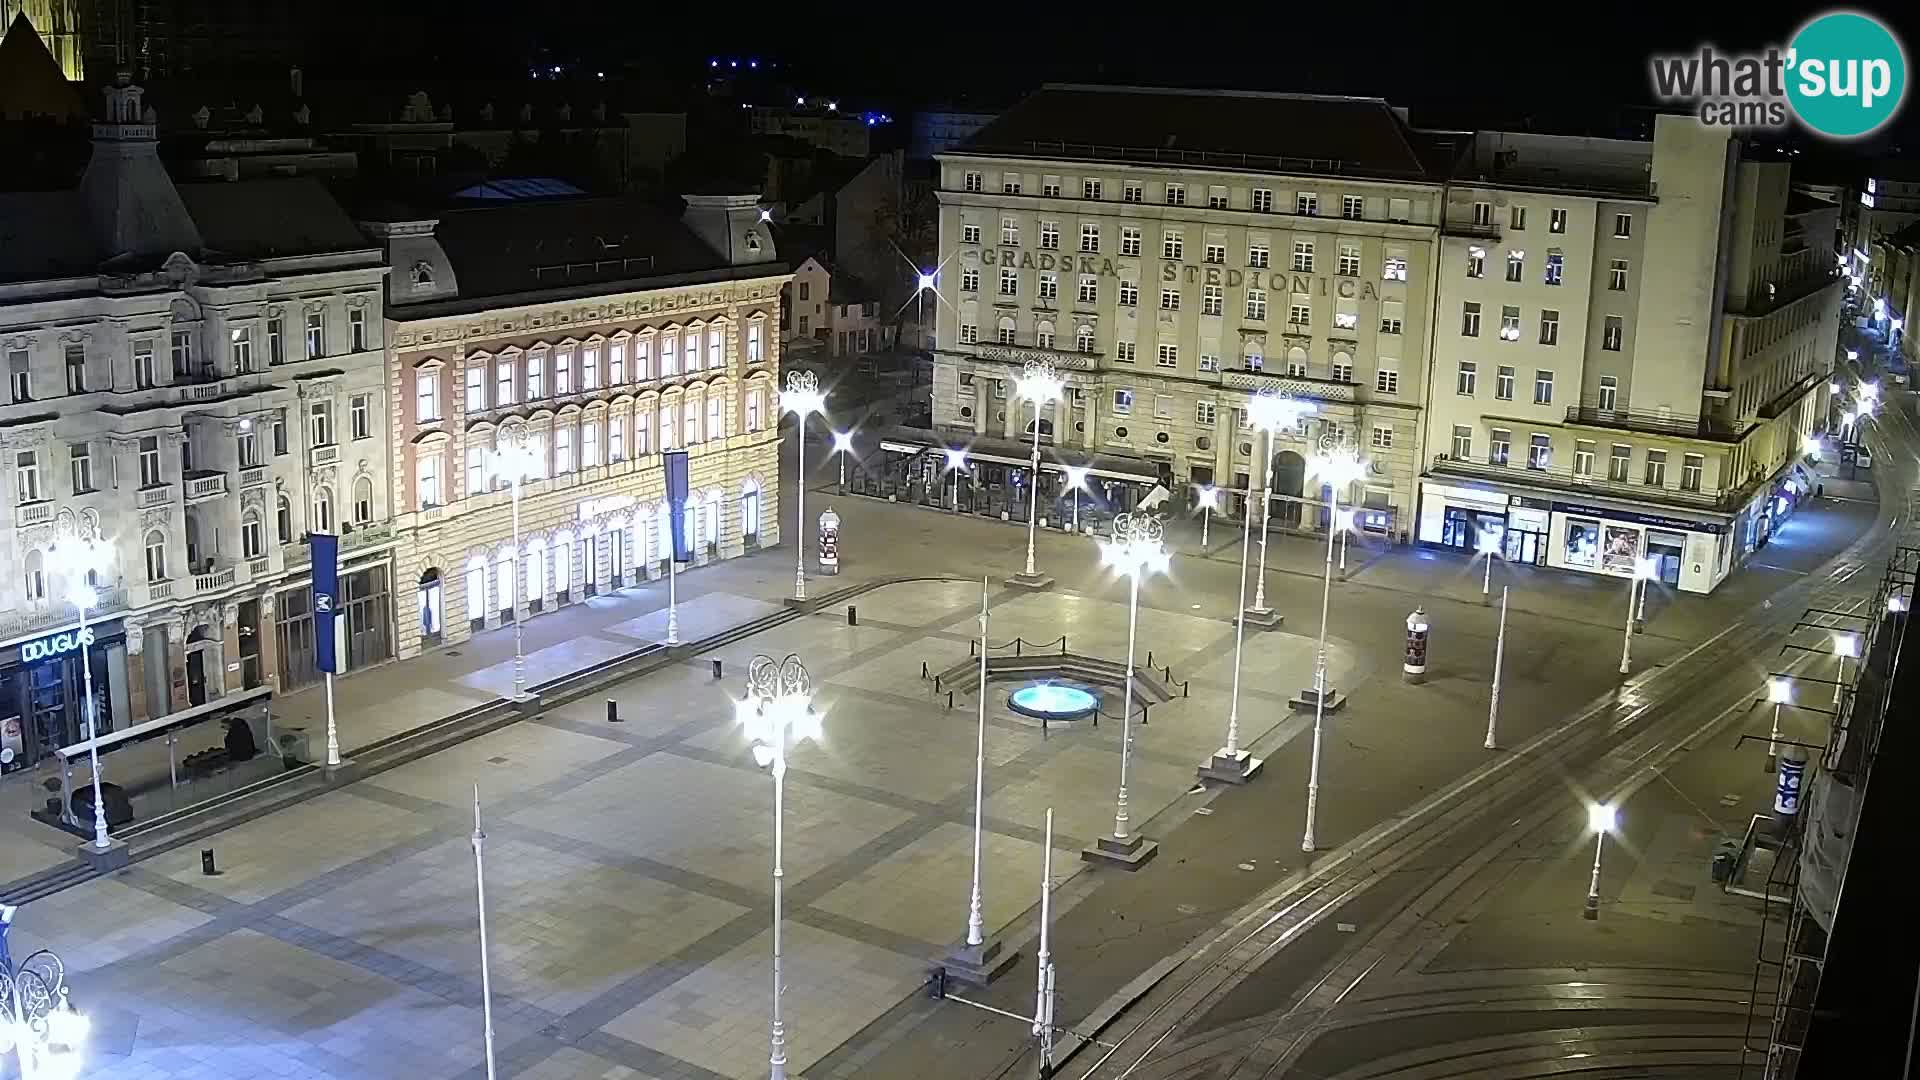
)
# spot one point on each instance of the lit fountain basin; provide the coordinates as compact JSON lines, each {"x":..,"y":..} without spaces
{"x":1054,"y":701}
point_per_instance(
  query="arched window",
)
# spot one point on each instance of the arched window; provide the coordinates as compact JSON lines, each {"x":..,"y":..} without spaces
{"x":36,"y":577}
{"x":1006,"y":330}
{"x":536,"y":572}
{"x":363,"y":501}
{"x":1083,"y":339}
{"x":1043,"y":334}
{"x":690,"y":524}
{"x":322,"y":510}
{"x":711,"y":531}
{"x":476,"y":590}
{"x":750,"y":508}
{"x":156,"y":556}
{"x":562,"y":578}
{"x":422,"y":275}
{"x":253,"y":536}
{"x":283,"y":518}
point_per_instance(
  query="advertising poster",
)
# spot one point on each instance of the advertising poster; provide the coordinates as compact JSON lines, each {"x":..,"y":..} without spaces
{"x":1620,"y":549}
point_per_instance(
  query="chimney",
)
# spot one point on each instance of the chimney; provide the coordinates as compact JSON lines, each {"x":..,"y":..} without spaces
{"x":297,"y":82}
{"x":734,"y":226}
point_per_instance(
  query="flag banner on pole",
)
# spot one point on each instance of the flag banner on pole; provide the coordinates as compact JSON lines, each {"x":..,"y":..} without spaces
{"x":326,"y":597}
{"x":677,"y":505}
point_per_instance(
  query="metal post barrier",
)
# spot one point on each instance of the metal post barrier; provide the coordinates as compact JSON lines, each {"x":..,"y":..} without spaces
{"x":206,"y":863}
{"x":949,"y":699}
{"x":853,"y":615}
{"x":613,"y":711}
{"x":923,"y":669}
{"x":716,"y":667}
{"x":1016,"y":646}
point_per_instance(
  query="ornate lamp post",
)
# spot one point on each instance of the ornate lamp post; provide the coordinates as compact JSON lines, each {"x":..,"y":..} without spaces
{"x":1602,"y":818}
{"x":1208,"y":498}
{"x":1489,"y":550}
{"x":515,"y":459}
{"x":843,"y":445}
{"x":802,"y":398}
{"x":1135,"y":550}
{"x":80,"y":556}
{"x":778,"y":708}
{"x":1269,"y":410}
{"x":1038,"y":384}
{"x":1230,"y":763}
{"x":38,"y":1022}
{"x":486,"y":962}
{"x":956,"y":461}
{"x":1643,"y":571}
{"x":1076,"y":481}
{"x":1338,"y":465}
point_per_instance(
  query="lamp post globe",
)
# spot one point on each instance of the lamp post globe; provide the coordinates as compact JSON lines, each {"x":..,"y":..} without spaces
{"x":802,"y":398}
{"x":1038,"y":384}
{"x":1270,"y":410}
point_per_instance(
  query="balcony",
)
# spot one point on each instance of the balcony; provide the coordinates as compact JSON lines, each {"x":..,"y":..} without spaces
{"x":260,"y":567}
{"x":160,"y":590}
{"x":203,"y":484}
{"x":1654,"y":423}
{"x":257,"y":476}
{"x":1019,"y":354}
{"x":324,"y":455}
{"x":35,"y":513}
{"x":1476,"y":230}
{"x":1292,"y":385}
{"x":1565,"y":479}
{"x":149,"y":497}
{"x":29,"y":619}
{"x":215,"y":580}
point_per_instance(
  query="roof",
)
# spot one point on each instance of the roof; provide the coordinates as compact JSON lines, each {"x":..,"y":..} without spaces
{"x":263,"y":219}
{"x":518,"y":247}
{"x":1223,"y":129}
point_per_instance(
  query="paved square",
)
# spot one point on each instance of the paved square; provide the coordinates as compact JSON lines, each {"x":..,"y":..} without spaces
{"x":269,"y":854}
{"x":504,"y":762}
{"x":921,"y":890}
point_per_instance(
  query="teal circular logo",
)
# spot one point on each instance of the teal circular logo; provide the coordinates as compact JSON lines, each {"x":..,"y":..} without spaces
{"x":1846,"y":74}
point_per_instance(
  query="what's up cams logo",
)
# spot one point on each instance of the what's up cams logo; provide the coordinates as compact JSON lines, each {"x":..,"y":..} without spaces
{"x":1844,"y":75}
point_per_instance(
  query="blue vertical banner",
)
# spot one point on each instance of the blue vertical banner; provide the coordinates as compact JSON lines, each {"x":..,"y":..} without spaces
{"x":326,"y":597}
{"x":677,"y":504}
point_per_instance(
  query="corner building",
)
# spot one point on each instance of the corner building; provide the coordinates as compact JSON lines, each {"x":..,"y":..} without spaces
{"x":1173,"y":253}
{"x":612,"y":332}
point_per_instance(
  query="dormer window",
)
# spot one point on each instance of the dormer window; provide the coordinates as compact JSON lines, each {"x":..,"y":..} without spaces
{"x":422,"y":276}
{"x":753,"y":240}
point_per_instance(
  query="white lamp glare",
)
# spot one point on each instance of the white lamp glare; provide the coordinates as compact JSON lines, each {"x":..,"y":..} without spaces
{"x":1779,"y":691}
{"x":1602,"y":817}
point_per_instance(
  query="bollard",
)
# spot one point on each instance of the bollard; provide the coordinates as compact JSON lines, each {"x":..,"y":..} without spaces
{"x":206,"y":863}
{"x":923,"y":669}
{"x":1149,"y":657}
{"x":853,"y":615}
{"x":613,"y":711}
{"x":716,"y":668}
{"x":949,"y":699}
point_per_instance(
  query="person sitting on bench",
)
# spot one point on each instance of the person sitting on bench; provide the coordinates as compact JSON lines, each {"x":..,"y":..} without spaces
{"x":240,"y":744}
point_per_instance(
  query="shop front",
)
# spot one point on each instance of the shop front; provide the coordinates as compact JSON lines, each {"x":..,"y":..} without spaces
{"x":43,"y":696}
{"x":1462,"y":518}
{"x":364,"y":626}
{"x":1692,"y":555}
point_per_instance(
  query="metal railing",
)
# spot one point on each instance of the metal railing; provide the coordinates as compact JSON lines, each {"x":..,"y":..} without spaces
{"x":1701,"y":427}
{"x":1568,"y":480}
{"x":1020,"y":646}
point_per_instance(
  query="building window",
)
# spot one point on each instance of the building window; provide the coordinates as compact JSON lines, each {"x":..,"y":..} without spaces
{"x":1083,"y":339}
{"x":1089,"y":289}
{"x":76,"y":356}
{"x":1476,"y":262}
{"x":316,"y":334}
{"x":1257,"y":256}
{"x":1691,"y":468}
{"x":1620,"y":464}
{"x":360,"y":416}
{"x":476,"y":390}
{"x":1503,"y":383}
{"x":1516,"y":265}
{"x":1123,"y":352}
{"x":1306,"y":205}
{"x":1303,"y":256}
{"x":1262,"y":201}
{"x":1132,"y":191}
{"x":1609,"y":392}
{"x":320,"y":423}
{"x":1611,"y":332}
{"x":975,"y":182}
{"x":322,"y":520}
{"x":617,"y":432}
{"x":969,"y":333}
{"x":1172,"y":246}
{"x":1009,"y":232}
{"x":1539,"y":452}
{"x":1216,"y":198}
{"x":1518,"y":216}
{"x":617,"y":363}
{"x":1656,"y":468}
{"x":1389,"y":324}
{"x":1556,"y":265}
{"x":1623,"y":225}
{"x":1394,"y":267}
{"x":1009,"y":282}
{"x":1297,"y":364}
{"x":1582,"y":457}
{"x":145,"y":372}
{"x":1049,"y":287}
{"x":426,"y":401}
{"x":1216,"y":253}
{"x":253,"y":535}
{"x":1468,"y":377}
{"x":1253,"y":359}
{"x":357,"y":328}
{"x":1010,"y":185}
{"x":80,"y":458}
{"x":1203,"y":414}
{"x":1300,"y":314}
{"x":247,"y":446}
{"x":1122,"y":402}
{"x":1209,"y":362}
{"x":1353,"y":207}
{"x":150,"y":476}
{"x":563,"y":364}
{"x":1090,"y":189}
{"x":1256,"y":304}
{"x":1043,"y":335}
{"x":1342,"y":372}
{"x":1483,"y":213}
{"x":156,"y":549}
{"x":1557,"y":220}
{"x":1170,"y":299}
{"x":1090,"y":238}
{"x":503,"y":391}
{"x":1169,"y":356}
{"x":1543,"y":387}
{"x":643,"y":359}
{"x":1617,"y":275}
{"x":1499,"y":444}
{"x":1176,"y":194}
{"x":1212,"y":300}
{"x":1129,"y":241}
{"x":1349,"y":260}
{"x":283,"y":519}
{"x":753,"y":341}
{"x":180,"y":346}
{"x":279,"y":432}
{"x":970,"y":234}
{"x":1346,"y":320}
{"x":1462,"y":442}
{"x":969,"y":282}
{"x":1386,"y":381}
{"x":276,"y":340}
{"x":1509,"y":323}
{"x":590,"y":361}
{"x":1007,"y":333}
{"x":1549,"y":326}
{"x":1382,"y":437}
{"x":1470,"y":319}
{"x":1049,"y":237}
{"x":1129,"y":294}
{"x":26,"y":475}
{"x":427,"y":473}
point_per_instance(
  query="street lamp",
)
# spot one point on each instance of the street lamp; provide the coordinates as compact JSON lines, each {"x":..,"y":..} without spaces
{"x":956,"y":461}
{"x":486,"y":963}
{"x":1135,"y":551}
{"x":1643,"y":570}
{"x":1038,"y":384}
{"x":1209,"y":499}
{"x":1499,"y":659}
{"x":81,"y":557}
{"x":1489,"y":549}
{"x":843,"y":445}
{"x":515,"y":459}
{"x":1845,"y":647}
{"x":1270,"y":410}
{"x":802,"y":398}
{"x":1338,"y":465}
{"x":1812,"y":446}
{"x":1343,"y":523}
{"x":1779,"y":692}
{"x":778,"y":708}
{"x":38,"y":1021}
{"x":1076,"y":480}
{"x":1602,"y":818}
{"x":1230,"y":763}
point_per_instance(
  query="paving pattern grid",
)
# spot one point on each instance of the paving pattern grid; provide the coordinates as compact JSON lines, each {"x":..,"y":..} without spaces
{"x":628,"y":866}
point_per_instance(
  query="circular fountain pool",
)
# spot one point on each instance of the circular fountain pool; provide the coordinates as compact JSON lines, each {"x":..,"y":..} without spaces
{"x":1053,"y":701}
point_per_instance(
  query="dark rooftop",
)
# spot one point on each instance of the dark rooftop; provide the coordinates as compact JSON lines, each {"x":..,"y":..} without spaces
{"x":1352,"y":136}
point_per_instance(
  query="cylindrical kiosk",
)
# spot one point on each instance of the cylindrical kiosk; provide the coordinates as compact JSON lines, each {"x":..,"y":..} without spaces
{"x":1414,"y":669}
{"x":1787,"y":785}
{"x":829,"y":546}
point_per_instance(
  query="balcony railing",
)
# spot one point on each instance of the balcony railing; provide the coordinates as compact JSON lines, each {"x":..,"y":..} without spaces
{"x":254,"y":477}
{"x":324,"y":455}
{"x":38,"y":513}
{"x":148,"y":497}
{"x":219,"y":579}
{"x":299,"y":553}
{"x":1479,"y":230}
{"x":1292,"y":385}
{"x":46,"y":616}
{"x":1653,"y":423}
{"x":1020,"y":354}
{"x":205,"y":485}
{"x":260,"y":567}
{"x":160,"y":590}
{"x":1567,"y":480}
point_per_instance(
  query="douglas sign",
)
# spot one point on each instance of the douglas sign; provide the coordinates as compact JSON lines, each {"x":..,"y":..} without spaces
{"x":56,"y":645}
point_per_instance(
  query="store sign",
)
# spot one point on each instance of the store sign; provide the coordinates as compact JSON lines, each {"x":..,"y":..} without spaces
{"x":1641,"y":519}
{"x":60,"y":644}
{"x":1347,"y":288}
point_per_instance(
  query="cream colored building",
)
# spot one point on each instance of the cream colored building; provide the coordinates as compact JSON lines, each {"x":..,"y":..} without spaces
{"x":1154,"y":246}
{"x":1634,"y":340}
{"x":611,"y":331}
